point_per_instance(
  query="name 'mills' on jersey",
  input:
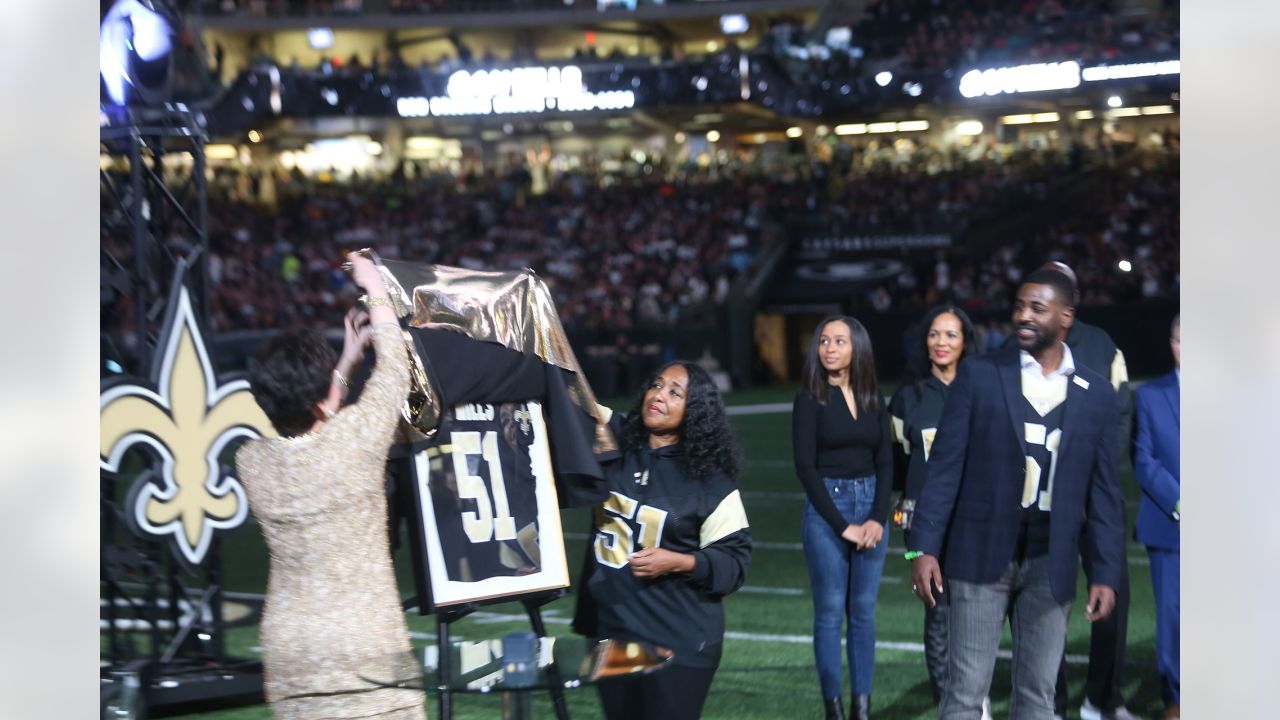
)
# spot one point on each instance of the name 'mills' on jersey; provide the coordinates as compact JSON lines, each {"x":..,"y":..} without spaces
{"x":483,"y":492}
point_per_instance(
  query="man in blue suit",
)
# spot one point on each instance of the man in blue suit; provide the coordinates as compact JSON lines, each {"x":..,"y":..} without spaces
{"x":1021,"y":465}
{"x":1156,"y":465}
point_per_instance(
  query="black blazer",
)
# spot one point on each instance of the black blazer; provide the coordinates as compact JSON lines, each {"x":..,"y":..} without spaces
{"x":969,"y":512}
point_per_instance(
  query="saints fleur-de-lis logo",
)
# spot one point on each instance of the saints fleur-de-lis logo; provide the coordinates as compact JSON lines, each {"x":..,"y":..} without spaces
{"x":187,"y":419}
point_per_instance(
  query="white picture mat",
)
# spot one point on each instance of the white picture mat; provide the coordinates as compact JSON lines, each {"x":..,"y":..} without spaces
{"x":555,"y":569}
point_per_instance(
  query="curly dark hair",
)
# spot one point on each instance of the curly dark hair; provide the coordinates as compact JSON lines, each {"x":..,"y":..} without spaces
{"x":288,"y":375}
{"x":918,"y":365}
{"x":709,"y":442}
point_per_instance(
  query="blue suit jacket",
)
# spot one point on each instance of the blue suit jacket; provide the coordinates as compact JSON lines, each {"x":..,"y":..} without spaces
{"x":970,"y":510}
{"x":1156,"y":461}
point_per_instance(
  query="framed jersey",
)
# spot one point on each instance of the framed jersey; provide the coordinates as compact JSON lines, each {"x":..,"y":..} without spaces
{"x":485,"y":503}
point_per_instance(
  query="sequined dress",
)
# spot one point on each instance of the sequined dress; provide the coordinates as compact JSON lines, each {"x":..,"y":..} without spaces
{"x":333,"y":611}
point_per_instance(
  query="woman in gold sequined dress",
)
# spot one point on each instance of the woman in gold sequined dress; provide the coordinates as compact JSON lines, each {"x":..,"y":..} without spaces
{"x":332,"y":612}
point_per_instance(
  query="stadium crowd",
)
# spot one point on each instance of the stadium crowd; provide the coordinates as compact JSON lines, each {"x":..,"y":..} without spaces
{"x":638,"y":252}
{"x":933,"y":35}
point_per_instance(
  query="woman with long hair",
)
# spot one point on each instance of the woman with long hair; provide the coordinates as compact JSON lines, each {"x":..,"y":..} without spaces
{"x":842,"y":443}
{"x":948,"y":337}
{"x":332,"y":609}
{"x":669,"y":544}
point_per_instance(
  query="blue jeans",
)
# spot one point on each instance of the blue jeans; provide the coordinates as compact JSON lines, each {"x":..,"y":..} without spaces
{"x":845,"y":582}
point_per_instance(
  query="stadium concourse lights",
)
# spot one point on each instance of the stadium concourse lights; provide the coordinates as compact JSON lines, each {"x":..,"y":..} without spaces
{"x":794,"y":132}
{"x":969,"y":127}
{"x":1115,"y":101}
{"x":1125,"y":266}
{"x":882,"y":127}
{"x":255,"y":136}
{"x":1029,"y":118}
{"x":1127,"y":112}
{"x":713,"y":136}
{"x":883,"y":78}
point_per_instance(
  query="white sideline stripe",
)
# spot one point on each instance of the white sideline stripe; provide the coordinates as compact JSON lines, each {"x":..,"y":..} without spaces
{"x":760,"y":409}
{"x":880,"y":644}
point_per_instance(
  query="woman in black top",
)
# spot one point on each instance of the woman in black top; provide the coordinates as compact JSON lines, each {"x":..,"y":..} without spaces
{"x":916,"y":408}
{"x":842,"y":443}
{"x":670,"y":543}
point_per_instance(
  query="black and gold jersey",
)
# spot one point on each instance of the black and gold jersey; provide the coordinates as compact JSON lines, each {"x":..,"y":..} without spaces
{"x":915,"y":410}
{"x":654,"y":503}
{"x":483,"y":491}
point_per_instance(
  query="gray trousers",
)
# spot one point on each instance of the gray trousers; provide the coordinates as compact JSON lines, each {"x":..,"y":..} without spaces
{"x":1038,"y":625}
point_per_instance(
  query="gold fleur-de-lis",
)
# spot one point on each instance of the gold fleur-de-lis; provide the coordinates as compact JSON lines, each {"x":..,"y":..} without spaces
{"x":187,"y":420}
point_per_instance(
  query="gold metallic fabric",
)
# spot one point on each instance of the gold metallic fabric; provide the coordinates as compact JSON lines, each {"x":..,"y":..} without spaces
{"x":513,"y":309}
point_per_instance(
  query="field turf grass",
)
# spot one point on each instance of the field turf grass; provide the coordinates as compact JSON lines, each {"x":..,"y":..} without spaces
{"x":759,"y":678}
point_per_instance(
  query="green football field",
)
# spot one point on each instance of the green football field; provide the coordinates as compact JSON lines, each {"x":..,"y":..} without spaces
{"x":768,"y":669}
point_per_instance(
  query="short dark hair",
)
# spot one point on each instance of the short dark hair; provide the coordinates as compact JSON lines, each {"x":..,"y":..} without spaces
{"x":1061,"y":284}
{"x":288,"y":375}
{"x":862,"y":367}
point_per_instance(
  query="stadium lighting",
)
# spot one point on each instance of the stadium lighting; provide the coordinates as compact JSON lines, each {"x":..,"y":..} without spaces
{"x":1045,"y":117}
{"x":969,"y":127}
{"x":712,"y":45}
{"x":1084,"y":114}
{"x":912,"y":126}
{"x":1037,"y":77}
{"x":794,"y":132}
{"x":1114,"y":101}
{"x":320,"y":38}
{"x":713,"y":136}
{"x":882,"y":127}
{"x":1016,"y":120}
{"x":914,"y":89}
{"x":734,"y":24}
{"x":255,"y":136}
{"x":1157,"y":110}
{"x":134,"y":42}
{"x":821,"y":130}
{"x":220,"y":151}
{"x":1125,"y":266}
{"x":681,"y":137}
{"x":852,"y":129}
{"x":883,"y":78}
{"x":1124,"y":112}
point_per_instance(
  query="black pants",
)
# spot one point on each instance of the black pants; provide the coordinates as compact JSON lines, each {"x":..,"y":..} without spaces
{"x":674,"y":692}
{"x":1106,"y":656}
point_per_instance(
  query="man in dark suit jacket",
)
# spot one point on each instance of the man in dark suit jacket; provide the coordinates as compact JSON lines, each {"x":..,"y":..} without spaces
{"x":1093,"y":348}
{"x":1021,"y":464}
{"x":1156,"y":463}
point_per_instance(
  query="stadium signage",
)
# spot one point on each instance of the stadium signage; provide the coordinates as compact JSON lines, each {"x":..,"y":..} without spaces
{"x":1020,"y":79}
{"x":1132,"y":70}
{"x":515,"y":90}
{"x":1040,"y":77}
{"x":826,"y":244}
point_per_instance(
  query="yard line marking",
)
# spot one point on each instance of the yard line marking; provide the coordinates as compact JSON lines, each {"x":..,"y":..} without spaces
{"x":880,"y":644}
{"x":766,"y":545}
{"x":771,"y":495}
{"x":759,"y":409}
{"x":758,"y":590}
